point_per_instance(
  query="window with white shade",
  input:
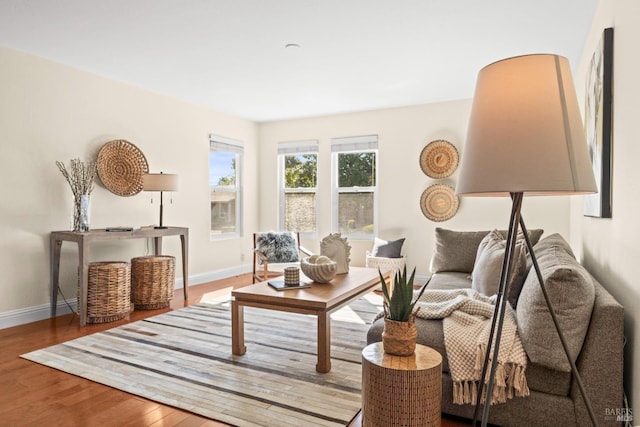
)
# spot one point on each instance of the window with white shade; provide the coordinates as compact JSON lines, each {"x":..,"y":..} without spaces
{"x":225,"y":185}
{"x":298,"y":180}
{"x":354,"y":164}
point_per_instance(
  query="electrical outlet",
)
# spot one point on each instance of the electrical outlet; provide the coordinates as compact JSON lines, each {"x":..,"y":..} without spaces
{"x":241,"y":257}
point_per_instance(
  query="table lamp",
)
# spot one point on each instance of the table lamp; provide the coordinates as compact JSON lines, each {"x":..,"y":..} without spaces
{"x":525,"y":137}
{"x":160,"y":182}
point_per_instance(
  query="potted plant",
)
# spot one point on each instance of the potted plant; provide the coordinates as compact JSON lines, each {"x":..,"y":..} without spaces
{"x":399,"y":335}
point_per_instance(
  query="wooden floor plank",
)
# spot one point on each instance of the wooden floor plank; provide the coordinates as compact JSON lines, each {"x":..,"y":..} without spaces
{"x":34,"y":395}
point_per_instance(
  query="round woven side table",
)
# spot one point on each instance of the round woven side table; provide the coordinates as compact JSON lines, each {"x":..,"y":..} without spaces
{"x":152,"y":281}
{"x":108,"y":291}
{"x":401,"y":391}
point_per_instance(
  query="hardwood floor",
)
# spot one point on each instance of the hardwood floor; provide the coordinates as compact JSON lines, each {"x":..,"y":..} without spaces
{"x":35,"y":395}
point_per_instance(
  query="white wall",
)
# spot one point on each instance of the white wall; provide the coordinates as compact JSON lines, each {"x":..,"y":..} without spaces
{"x":610,"y":246}
{"x":402,"y":134}
{"x":52,"y":112}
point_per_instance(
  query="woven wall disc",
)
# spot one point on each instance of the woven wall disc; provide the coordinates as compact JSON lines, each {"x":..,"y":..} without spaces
{"x":439,"y":159}
{"x":439,"y":202}
{"x":121,"y":166}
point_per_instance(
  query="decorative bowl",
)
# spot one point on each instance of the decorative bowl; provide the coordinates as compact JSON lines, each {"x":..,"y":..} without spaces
{"x":319,"y":273}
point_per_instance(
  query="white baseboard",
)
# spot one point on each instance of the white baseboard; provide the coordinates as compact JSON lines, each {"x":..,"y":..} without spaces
{"x":33,"y":314}
{"x":40,"y":312}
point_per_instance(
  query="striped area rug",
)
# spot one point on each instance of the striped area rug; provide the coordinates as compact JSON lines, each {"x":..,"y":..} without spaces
{"x":183,"y":358}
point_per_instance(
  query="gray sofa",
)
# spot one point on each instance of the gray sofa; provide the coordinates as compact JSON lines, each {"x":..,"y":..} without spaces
{"x":555,"y":399}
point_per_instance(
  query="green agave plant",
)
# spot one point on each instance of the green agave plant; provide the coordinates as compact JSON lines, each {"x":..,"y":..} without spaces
{"x":399,"y":305}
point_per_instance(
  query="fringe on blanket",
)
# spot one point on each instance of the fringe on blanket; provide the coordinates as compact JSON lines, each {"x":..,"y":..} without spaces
{"x":505,"y":387}
{"x":510,"y":380}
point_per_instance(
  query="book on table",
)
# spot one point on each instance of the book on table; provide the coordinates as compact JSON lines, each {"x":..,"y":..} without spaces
{"x":280,"y":285}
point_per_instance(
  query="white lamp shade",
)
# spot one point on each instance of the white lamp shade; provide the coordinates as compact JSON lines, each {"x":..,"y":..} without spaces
{"x":160,"y":182}
{"x":525,"y":131}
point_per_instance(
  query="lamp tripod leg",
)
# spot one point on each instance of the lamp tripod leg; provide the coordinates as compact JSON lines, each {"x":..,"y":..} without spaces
{"x":497,"y":320}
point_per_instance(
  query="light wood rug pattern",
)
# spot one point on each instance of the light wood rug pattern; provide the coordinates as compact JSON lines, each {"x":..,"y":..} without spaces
{"x":183,"y":358}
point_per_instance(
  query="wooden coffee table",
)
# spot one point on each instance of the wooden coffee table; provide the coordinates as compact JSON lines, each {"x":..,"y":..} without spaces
{"x":319,"y":300}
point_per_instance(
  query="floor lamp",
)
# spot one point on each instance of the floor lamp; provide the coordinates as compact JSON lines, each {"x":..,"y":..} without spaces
{"x":160,"y":182}
{"x":525,"y":137}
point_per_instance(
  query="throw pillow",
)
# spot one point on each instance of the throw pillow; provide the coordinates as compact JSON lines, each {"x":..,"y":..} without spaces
{"x":485,"y":277}
{"x":572,"y":294}
{"x":391,"y":249}
{"x":376,"y":244}
{"x":457,"y":250}
{"x":278,"y":247}
{"x":554,"y":240}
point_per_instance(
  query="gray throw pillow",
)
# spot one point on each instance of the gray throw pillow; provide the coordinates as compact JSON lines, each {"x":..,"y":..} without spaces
{"x":572,"y":294}
{"x":278,"y":247}
{"x":457,"y":250}
{"x":485,"y":277}
{"x":554,"y":240}
{"x":391,"y":249}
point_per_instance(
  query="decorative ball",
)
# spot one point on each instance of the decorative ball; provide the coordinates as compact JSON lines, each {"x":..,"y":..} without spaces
{"x":321,"y":271}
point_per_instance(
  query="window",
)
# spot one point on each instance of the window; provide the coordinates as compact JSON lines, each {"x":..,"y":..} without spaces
{"x":225,"y":184}
{"x":298,"y":166}
{"x":354,"y":182}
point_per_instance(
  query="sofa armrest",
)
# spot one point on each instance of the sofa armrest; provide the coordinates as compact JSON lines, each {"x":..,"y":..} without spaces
{"x":600,"y":362}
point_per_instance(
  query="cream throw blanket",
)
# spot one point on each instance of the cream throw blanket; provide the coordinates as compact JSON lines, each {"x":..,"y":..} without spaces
{"x":466,"y":318}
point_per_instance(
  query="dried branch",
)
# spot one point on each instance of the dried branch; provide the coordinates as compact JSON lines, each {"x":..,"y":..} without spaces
{"x":80,"y":177}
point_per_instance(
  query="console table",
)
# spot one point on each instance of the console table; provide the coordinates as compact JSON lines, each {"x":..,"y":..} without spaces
{"x":84,"y":241}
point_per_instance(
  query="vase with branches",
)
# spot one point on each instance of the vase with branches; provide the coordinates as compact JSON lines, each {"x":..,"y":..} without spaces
{"x":81,"y":177}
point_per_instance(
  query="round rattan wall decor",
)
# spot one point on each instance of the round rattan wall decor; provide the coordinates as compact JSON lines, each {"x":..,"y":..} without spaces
{"x":439,"y":159}
{"x":121,"y":166}
{"x":439,"y":202}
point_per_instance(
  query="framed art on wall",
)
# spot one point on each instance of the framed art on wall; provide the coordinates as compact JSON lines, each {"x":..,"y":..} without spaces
{"x":598,"y":125}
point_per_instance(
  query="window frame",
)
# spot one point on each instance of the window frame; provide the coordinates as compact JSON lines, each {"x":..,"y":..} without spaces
{"x":236,"y":147}
{"x":288,"y":149}
{"x":351,"y":145}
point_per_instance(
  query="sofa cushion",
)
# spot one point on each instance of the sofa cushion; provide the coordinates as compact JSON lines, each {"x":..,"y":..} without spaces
{"x":545,"y":380}
{"x":487,"y":269}
{"x":456,"y":250}
{"x":449,"y":280}
{"x":554,"y":240}
{"x":572,"y":294}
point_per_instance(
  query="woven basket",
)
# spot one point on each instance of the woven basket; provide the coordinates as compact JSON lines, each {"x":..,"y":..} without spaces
{"x":121,"y":167}
{"x":108,"y":291}
{"x":152,"y":281}
{"x":385,"y":264}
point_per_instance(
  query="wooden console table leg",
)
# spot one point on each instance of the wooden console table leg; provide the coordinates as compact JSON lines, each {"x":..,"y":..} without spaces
{"x":324,"y":342}
{"x":237,"y":329}
{"x":54,"y":250}
{"x":83,"y":266}
{"x":184,"y":239}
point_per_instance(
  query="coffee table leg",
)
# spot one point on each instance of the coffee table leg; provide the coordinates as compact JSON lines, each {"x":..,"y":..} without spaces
{"x":324,"y":342}
{"x":237,"y":329}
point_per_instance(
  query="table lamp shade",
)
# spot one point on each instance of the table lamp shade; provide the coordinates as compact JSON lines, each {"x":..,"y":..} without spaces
{"x":525,"y":132}
{"x":160,"y":182}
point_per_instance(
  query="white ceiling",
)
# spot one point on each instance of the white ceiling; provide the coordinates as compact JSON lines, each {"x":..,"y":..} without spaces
{"x":354,"y":55}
